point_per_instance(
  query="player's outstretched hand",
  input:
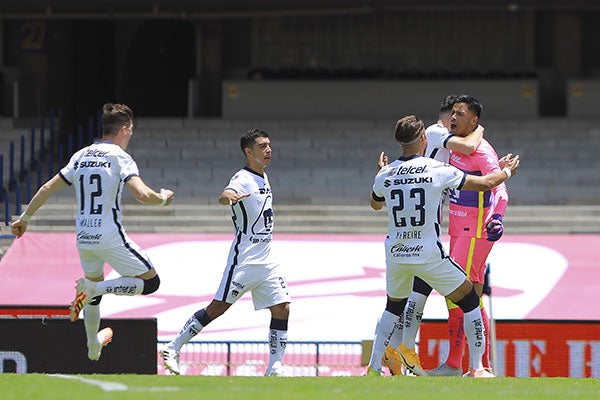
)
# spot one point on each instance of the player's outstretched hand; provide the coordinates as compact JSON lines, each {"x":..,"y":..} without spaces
{"x":234,"y":198}
{"x":494,"y":228}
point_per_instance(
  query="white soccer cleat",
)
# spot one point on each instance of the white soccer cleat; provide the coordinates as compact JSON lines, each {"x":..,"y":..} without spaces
{"x":444,"y":370}
{"x":84,"y":293}
{"x":170,"y":359}
{"x":95,"y":349}
{"x":481,"y":373}
{"x":275,"y":370}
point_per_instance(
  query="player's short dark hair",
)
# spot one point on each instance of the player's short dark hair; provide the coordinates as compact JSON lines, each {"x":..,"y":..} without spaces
{"x":447,"y":104}
{"x":249,"y":137}
{"x":114,"y":116}
{"x":472,"y":103}
{"x":408,"y":130}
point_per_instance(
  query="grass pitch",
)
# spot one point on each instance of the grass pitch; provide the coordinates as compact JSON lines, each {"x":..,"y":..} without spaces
{"x":150,"y":387}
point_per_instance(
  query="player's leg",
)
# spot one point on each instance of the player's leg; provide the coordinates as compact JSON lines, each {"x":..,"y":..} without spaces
{"x":399,"y":279}
{"x":413,"y":312}
{"x":462,"y":249}
{"x":96,"y":340}
{"x":269,"y":290}
{"x":138,"y":276}
{"x":387,"y":323}
{"x":226,"y":295}
{"x":408,"y":326}
{"x":468,"y":300}
{"x":278,"y":329}
{"x":198,"y":321}
{"x":477,"y":276}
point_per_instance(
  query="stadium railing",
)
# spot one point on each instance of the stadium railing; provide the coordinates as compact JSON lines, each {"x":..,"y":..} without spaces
{"x":250,"y":358}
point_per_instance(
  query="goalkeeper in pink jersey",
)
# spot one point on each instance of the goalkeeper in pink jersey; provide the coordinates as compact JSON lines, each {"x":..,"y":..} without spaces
{"x":475,"y":222}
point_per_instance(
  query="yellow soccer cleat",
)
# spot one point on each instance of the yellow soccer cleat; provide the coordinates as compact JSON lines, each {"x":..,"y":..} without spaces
{"x":411,"y":361}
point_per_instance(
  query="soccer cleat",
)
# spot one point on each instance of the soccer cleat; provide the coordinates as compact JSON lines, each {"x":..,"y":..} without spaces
{"x":393,"y":361}
{"x":444,"y":370}
{"x":95,"y":349}
{"x":372,"y":372}
{"x":481,"y":373}
{"x":411,"y":361}
{"x":275,"y":370}
{"x":84,"y":292}
{"x":171,"y":359}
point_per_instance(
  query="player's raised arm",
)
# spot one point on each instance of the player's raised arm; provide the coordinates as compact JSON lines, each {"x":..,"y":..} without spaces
{"x":467,"y":144}
{"x":19,"y":226}
{"x":147,"y":195}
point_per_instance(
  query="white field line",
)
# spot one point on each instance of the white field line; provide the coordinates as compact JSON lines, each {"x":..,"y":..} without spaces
{"x":108,"y":386}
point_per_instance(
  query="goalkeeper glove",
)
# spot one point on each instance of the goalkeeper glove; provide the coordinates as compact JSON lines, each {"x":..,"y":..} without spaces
{"x":494,"y":228}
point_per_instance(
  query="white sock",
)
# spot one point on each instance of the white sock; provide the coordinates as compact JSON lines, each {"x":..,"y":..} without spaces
{"x":123,"y":286}
{"x":396,"y":338}
{"x":191,"y":328}
{"x":383,"y":333}
{"x":413,"y":313}
{"x":277,"y":345}
{"x":91,"y":321}
{"x":475,"y":334}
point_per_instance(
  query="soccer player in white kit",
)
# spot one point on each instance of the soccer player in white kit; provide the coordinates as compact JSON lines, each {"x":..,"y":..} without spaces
{"x":439,"y":143}
{"x":250,"y":265}
{"x":98,"y":173}
{"x":411,"y":188}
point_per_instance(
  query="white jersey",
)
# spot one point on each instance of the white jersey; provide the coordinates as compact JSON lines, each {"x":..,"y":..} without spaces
{"x":98,"y":173}
{"x":252,"y":218}
{"x":437,"y":137}
{"x":411,"y":188}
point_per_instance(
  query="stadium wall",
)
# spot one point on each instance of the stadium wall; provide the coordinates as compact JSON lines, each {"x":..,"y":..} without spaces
{"x":373,"y":99}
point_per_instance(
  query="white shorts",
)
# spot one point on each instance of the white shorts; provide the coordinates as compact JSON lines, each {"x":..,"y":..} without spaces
{"x":265,"y":282}
{"x":127,"y":260}
{"x":445,"y":276}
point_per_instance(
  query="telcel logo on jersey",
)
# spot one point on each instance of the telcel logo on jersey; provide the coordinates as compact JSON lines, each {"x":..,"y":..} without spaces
{"x":95,"y":153}
{"x":411,"y":170}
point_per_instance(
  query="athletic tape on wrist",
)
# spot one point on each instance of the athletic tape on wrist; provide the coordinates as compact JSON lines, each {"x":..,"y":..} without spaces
{"x":25,"y":217}
{"x":507,"y":171}
{"x":164,"y":199}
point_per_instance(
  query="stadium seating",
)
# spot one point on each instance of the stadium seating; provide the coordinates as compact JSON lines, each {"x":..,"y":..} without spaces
{"x":322,"y":171}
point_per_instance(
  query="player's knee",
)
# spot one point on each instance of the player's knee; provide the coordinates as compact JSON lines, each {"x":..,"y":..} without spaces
{"x":395,"y":307}
{"x":469,"y":302}
{"x":151,"y":285}
{"x":422,"y":287}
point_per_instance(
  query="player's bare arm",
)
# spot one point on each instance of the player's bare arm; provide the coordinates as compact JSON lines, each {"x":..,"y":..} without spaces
{"x":19,"y":226}
{"x":467,"y":144}
{"x":229,"y":197}
{"x":147,"y":195}
{"x":486,"y":182}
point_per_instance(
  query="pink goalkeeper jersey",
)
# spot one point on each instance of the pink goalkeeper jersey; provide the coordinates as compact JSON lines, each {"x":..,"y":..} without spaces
{"x":470,"y":210}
